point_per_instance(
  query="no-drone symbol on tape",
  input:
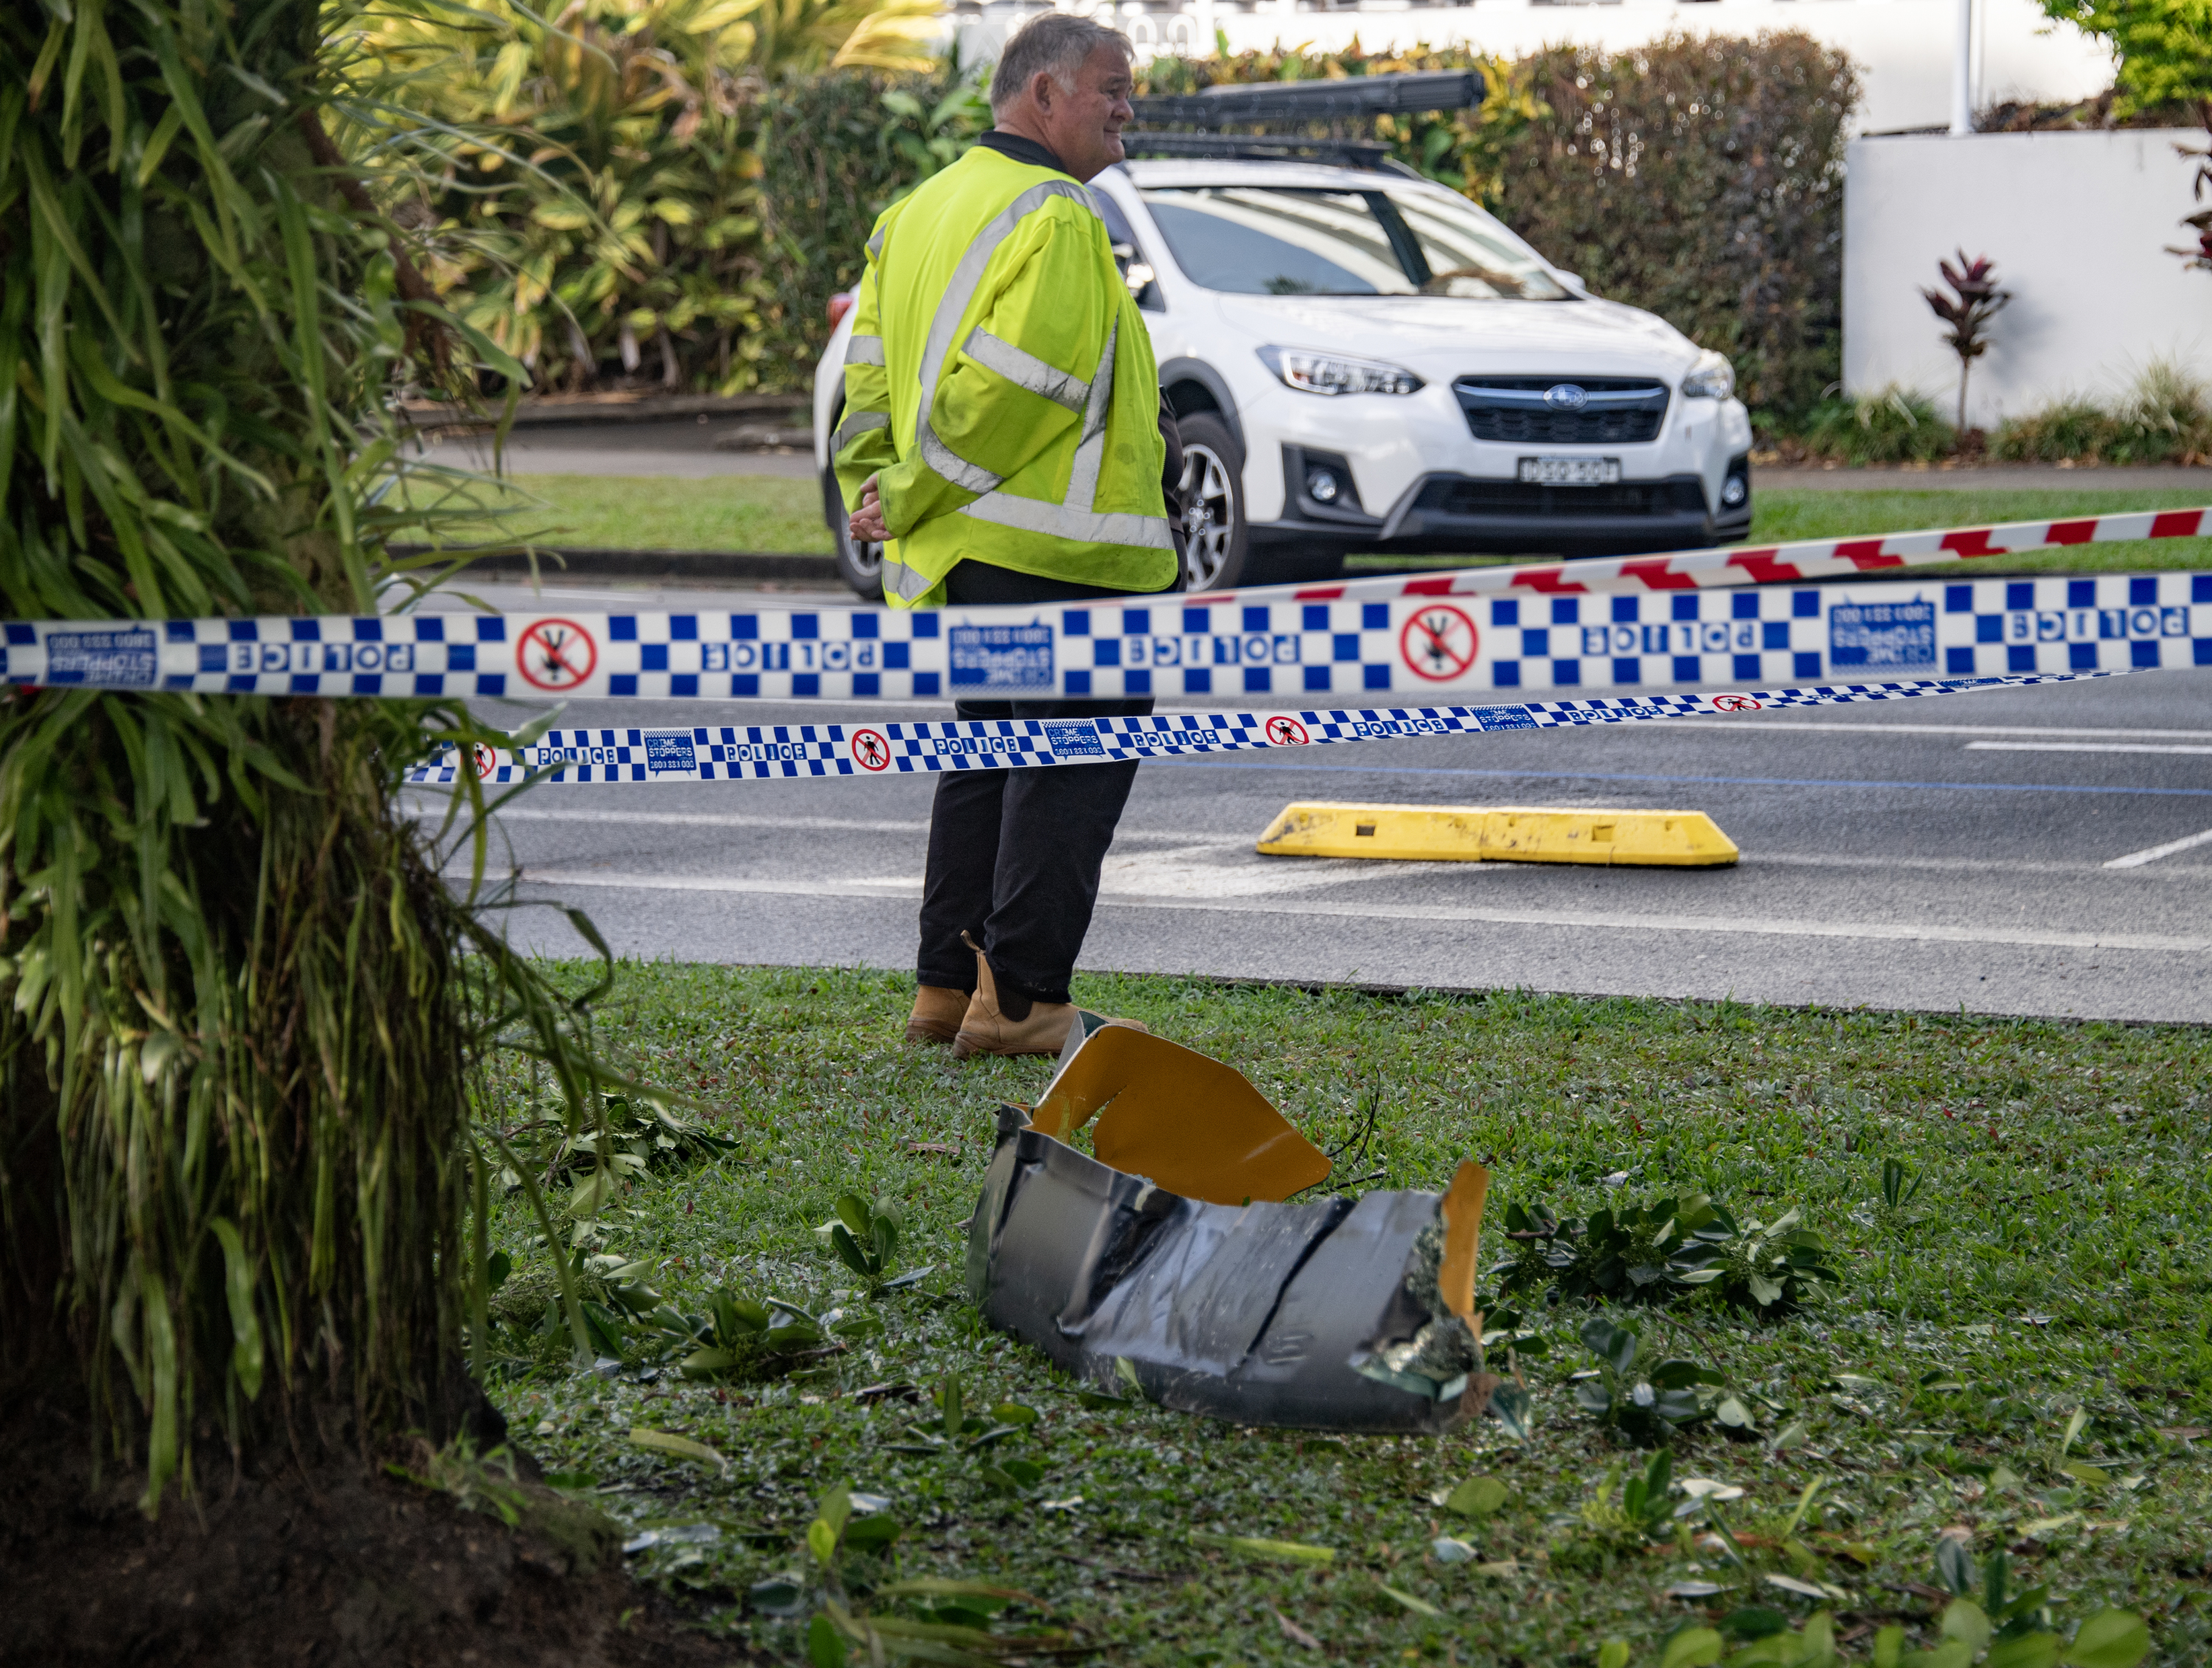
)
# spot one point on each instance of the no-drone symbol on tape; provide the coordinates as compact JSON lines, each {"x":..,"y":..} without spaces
{"x":1438,"y":643}
{"x":556,"y":654}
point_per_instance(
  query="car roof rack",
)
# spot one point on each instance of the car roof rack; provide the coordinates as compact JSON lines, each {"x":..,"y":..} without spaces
{"x":1348,"y":100}
{"x":1264,"y":148}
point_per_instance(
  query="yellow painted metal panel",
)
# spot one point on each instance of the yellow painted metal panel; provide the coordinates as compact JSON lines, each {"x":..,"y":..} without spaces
{"x":1192,"y":1124}
{"x":1524,"y":834}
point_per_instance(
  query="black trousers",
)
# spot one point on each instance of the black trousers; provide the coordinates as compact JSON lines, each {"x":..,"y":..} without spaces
{"x":1014,"y":855}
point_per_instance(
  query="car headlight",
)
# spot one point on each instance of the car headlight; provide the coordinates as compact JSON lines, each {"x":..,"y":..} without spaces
{"x":1333,"y":374}
{"x":1711,"y":378}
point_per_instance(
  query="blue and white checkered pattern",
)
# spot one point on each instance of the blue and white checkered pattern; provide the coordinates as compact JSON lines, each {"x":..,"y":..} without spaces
{"x":770,"y":751}
{"x":1307,"y":646}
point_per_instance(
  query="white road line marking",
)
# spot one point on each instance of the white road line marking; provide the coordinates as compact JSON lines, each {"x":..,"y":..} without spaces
{"x":1746,"y":726}
{"x":2151,"y":854}
{"x":739,"y":819}
{"x":2080,"y":747}
{"x":699,"y":820}
{"x":1756,"y":925}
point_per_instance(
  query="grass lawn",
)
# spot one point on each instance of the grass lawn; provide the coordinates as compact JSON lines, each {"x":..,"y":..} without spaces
{"x":762,"y":513}
{"x":2053,"y":1262}
{"x":621,"y":512}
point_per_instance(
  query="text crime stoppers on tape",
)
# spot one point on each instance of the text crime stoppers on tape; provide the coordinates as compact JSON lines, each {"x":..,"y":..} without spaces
{"x":774,"y":751}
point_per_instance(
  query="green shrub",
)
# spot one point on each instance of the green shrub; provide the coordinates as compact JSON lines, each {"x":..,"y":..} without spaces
{"x":2168,"y":413}
{"x":2064,"y":431}
{"x":2165,"y":415}
{"x":1893,"y":426}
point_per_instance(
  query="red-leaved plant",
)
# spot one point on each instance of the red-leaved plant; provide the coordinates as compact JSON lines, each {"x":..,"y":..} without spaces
{"x":1976,"y":300}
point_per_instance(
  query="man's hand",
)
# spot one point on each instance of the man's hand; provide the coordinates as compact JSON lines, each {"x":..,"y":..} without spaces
{"x":867,"y":523}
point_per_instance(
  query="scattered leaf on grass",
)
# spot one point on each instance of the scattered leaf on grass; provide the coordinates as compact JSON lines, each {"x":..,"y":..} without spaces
{"x":1693,"y":1647}
{"x":2110,"y":1639}
{"x":1252,"y":1546}
{"x":1419,"y":1606}
{"x":682,"y":1447}
{"x":1791,"y":1583}
{"x":1292,"y":1632}
{"x":1695,"y":1589}
{"x":1446,"y":1550}
{"x":2082,"y":1472}
{"x":778,"y":1596}
{"x":1477,"y":1497}
{"x":2041,"y":1526}
{"x":934,"y":1586}
{"x":1704,"y":1488}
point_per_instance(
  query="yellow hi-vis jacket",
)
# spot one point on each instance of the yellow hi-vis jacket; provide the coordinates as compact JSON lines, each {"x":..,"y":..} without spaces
{"x":1000,"y":385}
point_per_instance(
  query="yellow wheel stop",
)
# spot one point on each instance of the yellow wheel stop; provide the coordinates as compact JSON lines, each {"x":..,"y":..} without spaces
{"x":1516,"y":834}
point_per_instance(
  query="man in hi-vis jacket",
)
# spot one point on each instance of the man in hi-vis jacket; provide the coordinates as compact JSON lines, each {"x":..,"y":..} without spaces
{"x":1003,"y":433}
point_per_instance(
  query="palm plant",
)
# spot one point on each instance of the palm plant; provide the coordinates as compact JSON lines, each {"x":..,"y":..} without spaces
{"x":596,"y":173}
{"x":238,"y":1048}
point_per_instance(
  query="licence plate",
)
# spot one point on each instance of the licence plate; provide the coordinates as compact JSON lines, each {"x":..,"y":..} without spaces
{"x":1571,"y":471}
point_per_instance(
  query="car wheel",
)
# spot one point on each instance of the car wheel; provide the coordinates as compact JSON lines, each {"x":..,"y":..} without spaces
{"x":1212,"y":504}
{"x":859,"y":563}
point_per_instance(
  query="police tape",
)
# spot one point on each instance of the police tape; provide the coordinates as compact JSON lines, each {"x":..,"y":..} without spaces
{"x":1730,"y":566}
{"x":1311,"y":648}
{"x":781,"y":752}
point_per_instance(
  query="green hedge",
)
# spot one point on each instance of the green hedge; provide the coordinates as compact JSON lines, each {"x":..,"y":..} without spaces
{"x":841,"y":147}
{"x":1702,"y":178}
{"x":1699,"y":178}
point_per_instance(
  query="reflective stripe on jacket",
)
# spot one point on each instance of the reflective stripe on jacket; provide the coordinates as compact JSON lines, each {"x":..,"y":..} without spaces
{"x":1000,"y":385}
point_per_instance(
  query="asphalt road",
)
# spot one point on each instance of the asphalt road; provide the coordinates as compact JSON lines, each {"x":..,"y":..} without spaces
{"x":2042,"y":851}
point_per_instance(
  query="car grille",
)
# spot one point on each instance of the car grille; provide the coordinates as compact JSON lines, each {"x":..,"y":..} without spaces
{"x":1473,"y":497}
{"x":1623,"y":411}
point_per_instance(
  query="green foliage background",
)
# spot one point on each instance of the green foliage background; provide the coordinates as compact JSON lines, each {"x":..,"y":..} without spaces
{"x":238,"y":1041}
{"x":1702,"y":178}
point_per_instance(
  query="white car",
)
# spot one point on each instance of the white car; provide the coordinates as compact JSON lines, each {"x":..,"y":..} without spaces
{"x":1363,"y":361}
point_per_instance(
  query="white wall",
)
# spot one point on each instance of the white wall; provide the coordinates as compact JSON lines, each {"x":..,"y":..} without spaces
{"x":1902,"y":47}
{"x":2077,"y":224}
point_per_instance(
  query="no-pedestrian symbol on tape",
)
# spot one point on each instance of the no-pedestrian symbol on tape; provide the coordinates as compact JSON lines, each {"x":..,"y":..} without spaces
{"x":1285,"y":731}
{"x":485,"y":759}
{"x":870,"y":751}
{"x":1736,"y":704}
{"x":556,"y":654}
{"x":1438,"y":643}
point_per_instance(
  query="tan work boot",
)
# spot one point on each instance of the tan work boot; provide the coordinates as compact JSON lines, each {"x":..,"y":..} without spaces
{"x":938,"y":1010}
{"x":986,"y":1029}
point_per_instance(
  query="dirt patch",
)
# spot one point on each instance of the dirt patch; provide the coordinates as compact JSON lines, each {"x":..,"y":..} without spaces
{"x":333,"y":1562}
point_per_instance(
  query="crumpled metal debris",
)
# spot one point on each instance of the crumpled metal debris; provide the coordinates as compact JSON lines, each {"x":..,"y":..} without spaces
{"x":1173,"y":1259}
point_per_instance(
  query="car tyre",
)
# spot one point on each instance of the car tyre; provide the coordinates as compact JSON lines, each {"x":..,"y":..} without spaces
{"x":1216,"y":554}
{"x":859,"y":563}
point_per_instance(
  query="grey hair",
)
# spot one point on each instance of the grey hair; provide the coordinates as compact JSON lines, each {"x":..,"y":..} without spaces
{"x":1057,"y":43}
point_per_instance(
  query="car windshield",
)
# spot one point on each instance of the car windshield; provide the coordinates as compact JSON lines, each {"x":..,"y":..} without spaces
{"x":1277,"y":240}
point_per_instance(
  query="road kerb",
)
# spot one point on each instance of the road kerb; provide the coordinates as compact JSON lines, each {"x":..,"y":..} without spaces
{"x":1521,"y":834}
